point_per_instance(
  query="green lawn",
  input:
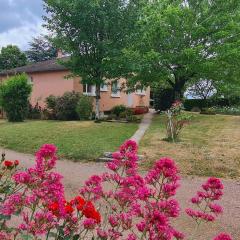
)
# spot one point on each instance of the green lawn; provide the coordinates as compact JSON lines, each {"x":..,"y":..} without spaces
{"x":209,"y":146}
{"x":75,"y":140}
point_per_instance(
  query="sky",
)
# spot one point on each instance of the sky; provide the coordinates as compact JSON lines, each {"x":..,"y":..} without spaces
{"x":20,"y":21}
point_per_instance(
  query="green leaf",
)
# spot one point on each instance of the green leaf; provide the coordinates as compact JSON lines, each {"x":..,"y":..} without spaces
{"x":3,"y":217}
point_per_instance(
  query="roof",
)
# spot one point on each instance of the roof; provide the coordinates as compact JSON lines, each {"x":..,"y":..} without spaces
{"x":45,"y":66}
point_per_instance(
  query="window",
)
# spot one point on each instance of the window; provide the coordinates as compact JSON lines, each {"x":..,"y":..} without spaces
{"x":115,"y":89}
{"x":30,"y":80}
{"x":141,"y":92}
{"x":104,"y":87}
{"x":89,"y":90}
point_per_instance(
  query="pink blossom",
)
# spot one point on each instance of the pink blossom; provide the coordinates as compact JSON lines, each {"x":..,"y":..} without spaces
{"x":102,"y":234}
{"x":223,"y":236}
{"x":89,"y":223}
{"x":131,"y":237}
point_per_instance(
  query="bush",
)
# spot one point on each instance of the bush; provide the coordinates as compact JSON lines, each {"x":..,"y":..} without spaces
{"x":132,"y":118}
{"x":117,"y":110}
{"x":85,"y":108}
{"x":163,"y":98}
{"x":189,"y":104}
{"x":126,"y":114}
{"x":234,"y":110}
{"x":176,"y":120}
{"x":64,"y":107}
{"x":14,"y":95}
{"x":34,"y":112}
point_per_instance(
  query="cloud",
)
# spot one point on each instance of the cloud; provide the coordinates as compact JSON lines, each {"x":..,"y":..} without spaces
{"x":21,"y":36}
{"x":20,"y":20}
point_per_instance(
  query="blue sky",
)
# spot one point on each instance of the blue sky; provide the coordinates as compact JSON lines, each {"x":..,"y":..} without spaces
{"x":20,"y":20}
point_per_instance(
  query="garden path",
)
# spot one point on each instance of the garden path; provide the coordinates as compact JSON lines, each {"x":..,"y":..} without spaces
{"x":143,"y":126}
{"x":76,"y":173}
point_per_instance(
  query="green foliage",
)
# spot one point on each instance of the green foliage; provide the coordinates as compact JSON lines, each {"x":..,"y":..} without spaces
{"x":11,"y":57}
{"x":189,"y":104}
{"x":126,"y":114}
{"x":41,"y":49}
{"x":63,"y":107}
{"x":181,"y":42}
{"x":94,"y":32}
{"x":233,"y":110}
{"x":117,"y":110}
{"x":14,"y":96}
{"x":163,"y":98}
{"x":34,"y":112}
{"x":85,"y":108}
{"x":132,"y":118}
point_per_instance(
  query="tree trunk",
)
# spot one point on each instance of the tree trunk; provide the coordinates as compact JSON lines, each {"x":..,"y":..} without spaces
{"x":98,"y":96}
{"x":179,"y":88}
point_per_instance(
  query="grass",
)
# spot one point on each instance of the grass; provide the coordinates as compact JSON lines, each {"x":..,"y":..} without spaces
{"x":209,"y":146}
{"x":75,"y":140}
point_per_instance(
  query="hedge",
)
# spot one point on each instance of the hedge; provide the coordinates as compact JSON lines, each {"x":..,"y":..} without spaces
{"x":189,"y":104}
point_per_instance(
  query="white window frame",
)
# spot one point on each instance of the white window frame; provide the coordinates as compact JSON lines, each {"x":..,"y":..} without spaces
{"x":141,"y":92}
{"x":30,"y":80}
{"x":104,"y":87}
{"x":93,"y":90}
{"x":117,"y":93}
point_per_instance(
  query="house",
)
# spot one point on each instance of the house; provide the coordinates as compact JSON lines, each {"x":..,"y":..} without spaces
{"x":48,"y":78}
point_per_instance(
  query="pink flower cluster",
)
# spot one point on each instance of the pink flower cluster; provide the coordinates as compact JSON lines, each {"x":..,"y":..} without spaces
{"x":140,"y":207}
{"x":119,"y":204}
{"x":205,"y":201}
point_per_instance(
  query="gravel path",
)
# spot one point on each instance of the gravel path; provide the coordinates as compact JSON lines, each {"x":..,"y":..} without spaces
{"x":76,"y":173}
{"x":143,"y":126}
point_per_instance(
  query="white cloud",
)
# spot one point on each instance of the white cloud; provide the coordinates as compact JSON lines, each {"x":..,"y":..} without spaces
{"x":21,"y":36}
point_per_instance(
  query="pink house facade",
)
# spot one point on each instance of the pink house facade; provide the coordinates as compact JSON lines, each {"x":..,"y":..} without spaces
{"x":48,"y":78}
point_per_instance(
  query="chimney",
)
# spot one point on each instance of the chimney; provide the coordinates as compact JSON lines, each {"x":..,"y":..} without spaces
{"x":59,"y":53}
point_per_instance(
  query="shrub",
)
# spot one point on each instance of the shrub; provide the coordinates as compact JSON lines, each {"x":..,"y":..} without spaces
{"x":120,"y":202}
{"x":189,"y":104}
{"x":51,"y":102}
{"x":117,"y":110}
{"x":85,"y":108}
{"x":14,"y":95}
{"x":176,"y":120}
{"x":132,"y":118}
{"x":127,"y":113}
{"x":34,"y":112}
{"x":64,"y":107}
{"x":233,"y":110}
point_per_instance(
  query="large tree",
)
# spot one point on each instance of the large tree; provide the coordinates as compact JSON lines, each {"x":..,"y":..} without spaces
{"x":182,"y":41}
{"x":93,"y":32}
{"x":11,"y":57}
{"x":41,"y":49}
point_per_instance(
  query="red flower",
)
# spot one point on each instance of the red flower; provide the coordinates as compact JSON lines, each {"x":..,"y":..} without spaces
{"x":96,"y":216}
{"x":16,"y":162}
{"x":80,"y":202}
{"x":8,"y":164}
{"x":54,"y":208}
{"x":89,"y":211}
{"x":69,"y":209}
